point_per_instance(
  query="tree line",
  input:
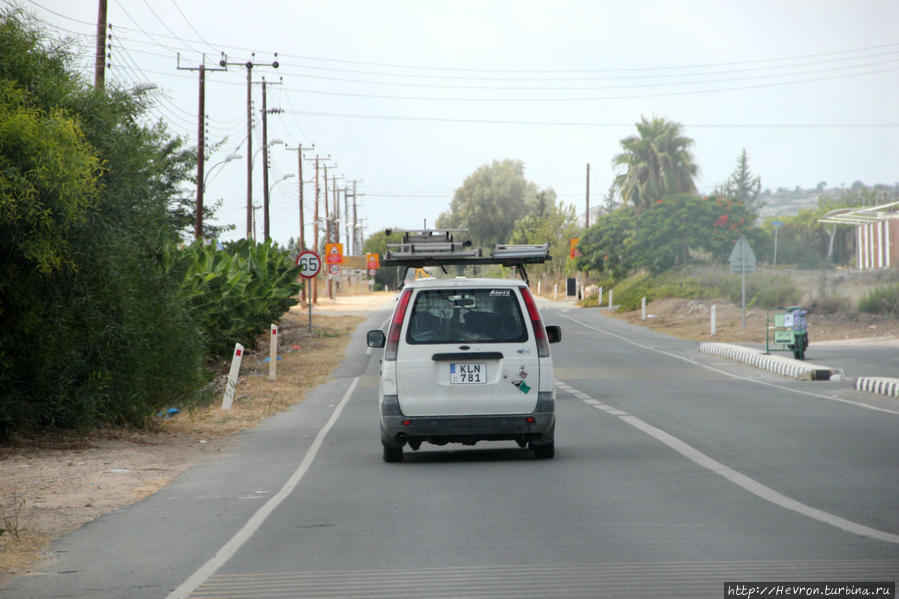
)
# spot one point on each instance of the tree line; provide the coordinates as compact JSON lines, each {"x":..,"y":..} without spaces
{"x":108,"y":315}
{"x":652,"y":218}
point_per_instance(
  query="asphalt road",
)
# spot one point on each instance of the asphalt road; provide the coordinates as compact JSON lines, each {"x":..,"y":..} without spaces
{"x":675,"y":472}
{"x":867,"y":357}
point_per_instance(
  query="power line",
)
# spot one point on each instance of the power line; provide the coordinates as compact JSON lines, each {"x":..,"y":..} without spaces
{"x":556,"y":70}
{"x":599,"y":98}
{"x":599,"y":125}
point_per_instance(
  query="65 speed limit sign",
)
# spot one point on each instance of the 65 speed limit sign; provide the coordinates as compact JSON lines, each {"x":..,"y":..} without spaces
{"x":310,"y":263}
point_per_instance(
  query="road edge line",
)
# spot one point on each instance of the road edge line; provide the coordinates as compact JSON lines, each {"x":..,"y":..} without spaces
{"x":228,"y":550}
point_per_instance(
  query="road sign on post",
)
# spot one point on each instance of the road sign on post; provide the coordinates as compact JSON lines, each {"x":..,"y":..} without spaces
{"x":310,"y":263}
{"x":372,"y":261}
{"x":742,"y":260}
{"x":334,"y":253}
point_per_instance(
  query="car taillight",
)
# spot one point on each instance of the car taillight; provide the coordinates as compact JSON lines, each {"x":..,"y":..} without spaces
{"x":396,"y":325}
{"x":536,"y":323}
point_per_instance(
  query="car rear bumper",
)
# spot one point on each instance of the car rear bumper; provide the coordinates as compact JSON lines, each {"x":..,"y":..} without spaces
{"x":533,"y":428}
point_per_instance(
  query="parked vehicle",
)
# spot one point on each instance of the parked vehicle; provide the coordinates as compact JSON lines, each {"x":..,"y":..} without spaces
{"x":466,"y":360}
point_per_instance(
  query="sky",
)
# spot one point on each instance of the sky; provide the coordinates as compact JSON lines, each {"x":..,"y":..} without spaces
{"x":409,"y":97}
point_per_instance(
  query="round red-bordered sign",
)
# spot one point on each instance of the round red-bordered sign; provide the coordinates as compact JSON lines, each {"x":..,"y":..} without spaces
{"x":310,"y":264}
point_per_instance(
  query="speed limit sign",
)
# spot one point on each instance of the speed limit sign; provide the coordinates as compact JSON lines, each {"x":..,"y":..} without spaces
{"x":309,"y":263}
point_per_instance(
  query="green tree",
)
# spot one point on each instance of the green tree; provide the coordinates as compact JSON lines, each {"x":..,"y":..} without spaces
{"x":377,"y":244}
{"x":490,"y":202}
{"x":552,"y":223}
{"x":656,"y":163}
{"x":87,"y":218}
{"x":743,"y":186}
{"x":606,"y":246}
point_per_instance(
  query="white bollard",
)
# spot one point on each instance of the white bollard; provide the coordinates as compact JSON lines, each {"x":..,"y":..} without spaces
{"x":555,"y":292}
{"x":273,"y":353}
{"x":714,"y":323}
{"x":231,"y":385}
{"x":610,"y":297}
{"x":538,"y":287}
{"x":643,"y":308}
{"x":599,"y":298}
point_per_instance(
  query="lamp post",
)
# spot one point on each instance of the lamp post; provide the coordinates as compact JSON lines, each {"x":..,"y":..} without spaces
{"x":228,"y":158}
{"x":201,"y":190}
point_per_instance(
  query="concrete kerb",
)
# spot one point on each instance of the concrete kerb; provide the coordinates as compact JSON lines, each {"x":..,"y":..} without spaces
{"x":797,"y":369}
{"x":878,"y":384}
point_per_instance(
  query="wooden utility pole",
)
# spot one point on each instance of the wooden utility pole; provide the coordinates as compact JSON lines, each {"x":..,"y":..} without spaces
{"x":249,"y":66}
{"x":356,"y":240}
{"x":265,"y":189}
{"x":100,"y":58}
{"x":587,"y":217}
{"x":302,"y":240}
{"x":201,"y":141}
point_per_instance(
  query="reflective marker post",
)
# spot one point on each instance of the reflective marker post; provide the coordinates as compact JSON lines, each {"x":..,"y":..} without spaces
{"x":231,"y":385}
{"x":273,"y":353}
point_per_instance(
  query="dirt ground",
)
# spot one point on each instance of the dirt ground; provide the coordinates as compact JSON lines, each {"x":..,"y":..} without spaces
{"x":51,"y":486}
{"x":690,"y":319}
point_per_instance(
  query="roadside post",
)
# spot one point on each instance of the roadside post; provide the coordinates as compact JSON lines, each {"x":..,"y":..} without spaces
{"x":643,"y":308}
{"x":310,"y":264}
{"x":777,"y":225}
{"x":273,"y":353}
{"x":714,"y":321}
{"x":742,"y":261}
{"x":231,"y":385}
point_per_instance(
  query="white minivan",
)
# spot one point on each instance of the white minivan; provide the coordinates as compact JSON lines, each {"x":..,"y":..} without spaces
{"x":466,"y":360}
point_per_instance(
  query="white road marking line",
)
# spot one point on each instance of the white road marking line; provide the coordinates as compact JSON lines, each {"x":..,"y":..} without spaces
{"x":728,"y":374}
{"x":753,"y":486}
{"x":228,"y":550}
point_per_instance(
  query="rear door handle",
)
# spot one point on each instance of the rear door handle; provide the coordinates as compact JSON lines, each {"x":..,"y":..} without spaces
{"x":475,"y":355}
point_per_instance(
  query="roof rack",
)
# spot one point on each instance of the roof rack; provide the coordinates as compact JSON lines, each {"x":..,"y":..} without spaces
{"x":437,"y":247}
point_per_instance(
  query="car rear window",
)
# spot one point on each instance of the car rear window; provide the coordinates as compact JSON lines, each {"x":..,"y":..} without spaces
{"x":466,"y":316}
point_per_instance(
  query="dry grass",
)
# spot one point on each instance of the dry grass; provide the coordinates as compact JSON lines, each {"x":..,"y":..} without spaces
{"x":307,"y":361}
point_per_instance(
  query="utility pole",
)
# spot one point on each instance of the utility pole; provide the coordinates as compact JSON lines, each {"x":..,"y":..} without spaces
{"x":265,"y":190}
{"x":357,"y":242}
{"x":315,"y":223}
{"x":100,"y":58}
{"x":587,"y":217}
{"x":302,"y":240}
{"x":346,"y":218}
{"x":201,"y":141}
{"x":249,"y":66}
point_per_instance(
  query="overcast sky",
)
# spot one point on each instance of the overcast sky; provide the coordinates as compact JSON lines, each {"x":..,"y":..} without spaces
{"x":410,"y":97}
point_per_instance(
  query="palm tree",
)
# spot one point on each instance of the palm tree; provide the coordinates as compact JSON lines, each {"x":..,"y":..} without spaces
{"x":657,"y":163}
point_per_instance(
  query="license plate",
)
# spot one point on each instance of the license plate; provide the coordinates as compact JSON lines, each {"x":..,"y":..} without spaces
{"x":468,"y":373}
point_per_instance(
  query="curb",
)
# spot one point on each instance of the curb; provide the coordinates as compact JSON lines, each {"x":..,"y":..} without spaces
{"x":878,"y":384}
{"x":797,"y":369}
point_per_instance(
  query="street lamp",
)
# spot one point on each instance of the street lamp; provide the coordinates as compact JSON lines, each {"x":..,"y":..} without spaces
{"x":142,"y":87}
{"x":228,"y":158}
{"x":270,"y":144}
{"x":287,"y":176}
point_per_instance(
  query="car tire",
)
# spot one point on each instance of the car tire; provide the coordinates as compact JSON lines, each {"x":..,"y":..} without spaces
{"x":546,"y":451}
{"x":393,"y":454}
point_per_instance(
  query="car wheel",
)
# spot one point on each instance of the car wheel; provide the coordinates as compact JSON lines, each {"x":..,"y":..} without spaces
{"x":393,"y":454}
{"x":545,"y":452}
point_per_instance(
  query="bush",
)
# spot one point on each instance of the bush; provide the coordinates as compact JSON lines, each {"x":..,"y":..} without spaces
{"x":235,"y":293}
{"x":882,"y":300}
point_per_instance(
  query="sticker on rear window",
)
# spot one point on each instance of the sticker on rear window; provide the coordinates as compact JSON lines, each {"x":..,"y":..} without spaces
{"x":500,"y":292}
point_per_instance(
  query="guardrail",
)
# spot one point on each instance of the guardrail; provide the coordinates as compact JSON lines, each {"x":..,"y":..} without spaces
{"x":785,"y":366}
